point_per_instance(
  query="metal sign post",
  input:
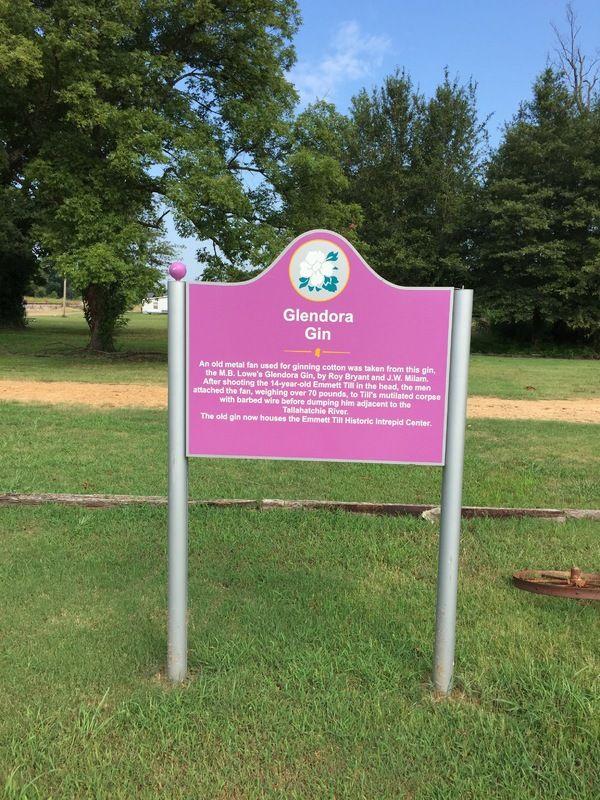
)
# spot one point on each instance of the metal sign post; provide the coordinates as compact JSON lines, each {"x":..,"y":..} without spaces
{"x":178,"y":480}
{"x":447,"y":585}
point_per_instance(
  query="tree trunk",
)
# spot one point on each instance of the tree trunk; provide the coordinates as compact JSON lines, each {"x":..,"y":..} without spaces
{"x":537,"y":327}
{"x":16,"y":270}
{"x":100,"y":316}
{"x":12,"y":311}
{"x":98,"y":341}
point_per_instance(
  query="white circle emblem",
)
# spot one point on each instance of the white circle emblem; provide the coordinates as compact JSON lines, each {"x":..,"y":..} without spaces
{"x":319,"y":270}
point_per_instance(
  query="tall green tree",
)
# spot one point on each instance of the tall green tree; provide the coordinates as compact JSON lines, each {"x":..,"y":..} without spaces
{"x":539,"y":238}
{"x":306,"y":188}
{"x":378,"y":165}
{"x":19,"y":65}
{"x":312,"y":181}
{"x":446,"y":170}
{"x":137,"y":108}
{"x":18,"y":264}
{"x":414,"y":168}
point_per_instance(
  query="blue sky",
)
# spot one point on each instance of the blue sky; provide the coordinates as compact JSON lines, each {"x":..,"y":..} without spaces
{"x":344,"y":45}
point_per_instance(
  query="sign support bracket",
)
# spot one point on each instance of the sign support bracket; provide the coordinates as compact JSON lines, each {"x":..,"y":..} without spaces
{"x":452,"y":481}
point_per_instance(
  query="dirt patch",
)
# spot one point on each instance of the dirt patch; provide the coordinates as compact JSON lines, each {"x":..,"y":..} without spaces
{"x":100,"y":395}
{"x":579,"y":410}
{"x":133,"y":395}
{"x":51,"y":310}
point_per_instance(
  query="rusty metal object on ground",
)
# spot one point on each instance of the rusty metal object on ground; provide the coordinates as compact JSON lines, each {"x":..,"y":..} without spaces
{"x":575,"y":583}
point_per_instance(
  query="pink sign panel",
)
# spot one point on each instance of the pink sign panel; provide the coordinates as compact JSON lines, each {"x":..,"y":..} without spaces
{"x":318,"y":358}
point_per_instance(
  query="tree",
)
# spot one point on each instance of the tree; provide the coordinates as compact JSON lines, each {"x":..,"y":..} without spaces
{"x":49,"y":283}
{"x":19,"y":64}
{"x":143,"y":109}
{"x":378,"y":165}
{"x":539,"y":236}
{"x":446,"y":171}
{"x":312,"y":182}
{"x":415,"y":170}
{"x":581,"y":73}
{"x":17,"y":262}
{"x":308,"y":188}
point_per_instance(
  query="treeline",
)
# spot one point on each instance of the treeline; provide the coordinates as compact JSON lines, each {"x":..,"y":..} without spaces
{"x":113,"y":116}
{"x":433,"y":206}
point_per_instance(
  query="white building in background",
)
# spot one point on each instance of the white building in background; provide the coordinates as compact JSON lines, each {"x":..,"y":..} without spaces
{"x":155,"y":305}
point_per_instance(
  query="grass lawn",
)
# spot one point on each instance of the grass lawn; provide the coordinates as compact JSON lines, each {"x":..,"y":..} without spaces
{"x":311,"y":633}
{"x":53,"y":349}
{"x":512,"y":463}
{"x":311,"y":641}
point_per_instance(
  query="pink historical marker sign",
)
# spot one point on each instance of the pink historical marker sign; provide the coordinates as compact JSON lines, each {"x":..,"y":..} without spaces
{"x":318,"y":358}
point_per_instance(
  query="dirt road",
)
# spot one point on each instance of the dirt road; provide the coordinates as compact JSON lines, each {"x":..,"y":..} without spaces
{"x":132,"y":395}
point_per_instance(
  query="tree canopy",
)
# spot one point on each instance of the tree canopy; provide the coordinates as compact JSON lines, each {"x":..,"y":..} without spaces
{"x":414,"y":168}
{"x":114,"y":113}
{"x":539,"y":236}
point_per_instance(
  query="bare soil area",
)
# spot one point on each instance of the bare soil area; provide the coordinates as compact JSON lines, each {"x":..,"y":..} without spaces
{"x":579,"y":410}
{"x":100,"y":395}
{"x":51,"y":310}
{"x":132,"y":395}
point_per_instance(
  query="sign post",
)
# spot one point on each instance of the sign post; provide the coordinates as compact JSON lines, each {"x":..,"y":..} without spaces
{"x":178,"y":480}
{"x":318,"y":358}
{"x":447,"y":584}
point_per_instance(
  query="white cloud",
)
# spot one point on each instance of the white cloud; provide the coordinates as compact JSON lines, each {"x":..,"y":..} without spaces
{"x":351,"y":55}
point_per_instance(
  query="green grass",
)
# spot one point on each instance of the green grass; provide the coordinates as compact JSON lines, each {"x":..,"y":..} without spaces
{"x":53,"y":349}
{"x":534,"y":378}
{"x":311,"y":640}
{"x":311,"y":634}
{"x":510,"y":463}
